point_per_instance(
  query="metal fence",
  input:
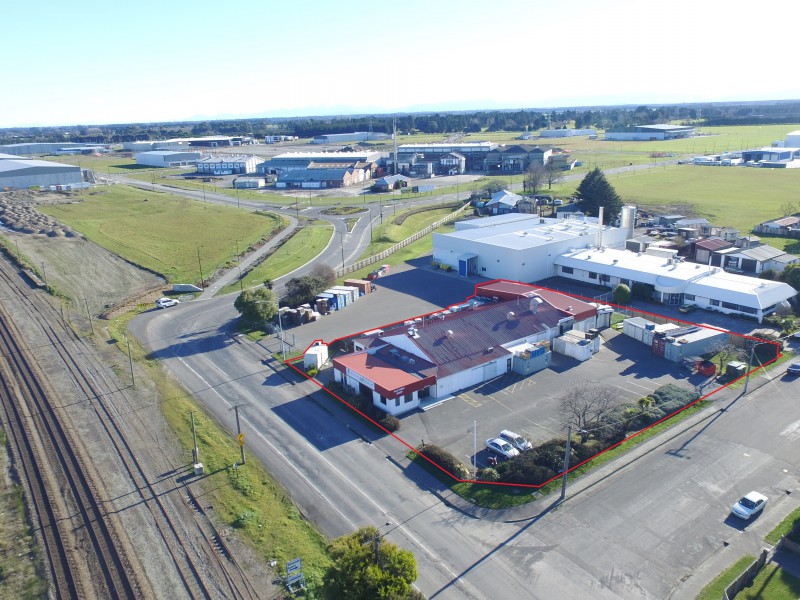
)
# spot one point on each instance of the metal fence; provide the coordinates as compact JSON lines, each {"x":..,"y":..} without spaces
{"x":371,"y":260}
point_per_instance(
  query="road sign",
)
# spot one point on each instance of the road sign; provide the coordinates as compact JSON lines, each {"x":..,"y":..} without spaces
{"x":240,"y":437}
{"x":292,"y":566}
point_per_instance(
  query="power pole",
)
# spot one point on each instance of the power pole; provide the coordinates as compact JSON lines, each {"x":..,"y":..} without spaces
{"x":89,"y":315}
{"x":130,"y":361}
{"x":199,"y":264}
{"x":566,"y":465}
{"x":195,"y":450}
{"x":239,"y":434}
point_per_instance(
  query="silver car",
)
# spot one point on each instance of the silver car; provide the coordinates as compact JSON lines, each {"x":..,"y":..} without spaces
{"x":516,"y":440}
{"x":501,"y":448}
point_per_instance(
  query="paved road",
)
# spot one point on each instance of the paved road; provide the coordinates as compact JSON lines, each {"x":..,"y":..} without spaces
{"x":649,"y":528}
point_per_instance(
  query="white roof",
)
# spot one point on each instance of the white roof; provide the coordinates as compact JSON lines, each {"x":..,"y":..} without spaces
{"x":519,"y":234}
{"x":680,"y":277}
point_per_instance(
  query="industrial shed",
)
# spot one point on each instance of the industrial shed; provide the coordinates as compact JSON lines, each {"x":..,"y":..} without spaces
{"x":674,"y":282}
{"x":166,"y":158}
{"x":228,"y":165}
{"x":519,"y":247}
{"x":21,"y":173}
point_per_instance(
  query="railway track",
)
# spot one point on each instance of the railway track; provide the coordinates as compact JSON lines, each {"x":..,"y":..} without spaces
{"x":104,"y":396}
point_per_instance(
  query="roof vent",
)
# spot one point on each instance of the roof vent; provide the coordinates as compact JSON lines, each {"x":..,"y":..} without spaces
{"x":411,"y":361}
{"x":510,"y":315}
{"x":490,"y":349}
{"x":449,"y":333}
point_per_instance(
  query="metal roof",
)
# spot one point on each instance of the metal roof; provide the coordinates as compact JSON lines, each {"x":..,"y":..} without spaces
{"x":33,"y":167}
{"x":713,"y":244}
{"x":761,"y":253}
{"x":679,"y":277}
{"x":474,"y":337}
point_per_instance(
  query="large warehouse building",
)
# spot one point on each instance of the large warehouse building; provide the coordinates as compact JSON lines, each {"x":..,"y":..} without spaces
{"x":674,"y":282}
{"x":651,"y":132}
{"x":17,"y":173}
{"x":518,"y":247}
{"x":166,"y":158}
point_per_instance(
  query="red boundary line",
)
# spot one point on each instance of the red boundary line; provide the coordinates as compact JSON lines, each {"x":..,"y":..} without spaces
{"x":291,"y":362}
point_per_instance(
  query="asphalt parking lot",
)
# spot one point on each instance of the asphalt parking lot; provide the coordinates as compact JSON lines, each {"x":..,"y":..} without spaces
{"x":529,"y":405}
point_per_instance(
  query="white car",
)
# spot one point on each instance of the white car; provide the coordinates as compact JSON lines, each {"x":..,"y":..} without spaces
{"x":750,"y":505}
{"x":501,"y":448}
{"x":166,"y":302}
{"x":516,"y":440}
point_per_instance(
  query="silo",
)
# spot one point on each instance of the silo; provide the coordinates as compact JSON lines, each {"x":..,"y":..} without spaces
{"x":628,"y":219}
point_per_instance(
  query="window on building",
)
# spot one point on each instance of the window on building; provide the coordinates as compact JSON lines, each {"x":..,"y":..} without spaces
{"x":408,"y":398}
{"x":714,"y":302}
{"x":592,"y":275}
{"x":397,"y":402}
{"x":730,"y":306}
{"x":568,"y":270}
{"x":748,"y":309}
{"x":383,"y":400}
{"x":688,"y":296}
{"x":605,"y":278}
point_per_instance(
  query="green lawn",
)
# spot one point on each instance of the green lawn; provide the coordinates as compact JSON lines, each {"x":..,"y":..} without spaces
{"x":304,"y":245}
{"x":783,"y":527}
{"x":739,"y":197}
{"x":164,"y":233}
{"x":102,"y":165}
{"x":715,"y":589}
{"x":772,"y":583}
{"x":388,"y":234}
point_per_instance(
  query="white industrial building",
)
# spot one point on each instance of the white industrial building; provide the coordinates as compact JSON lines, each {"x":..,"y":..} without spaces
{"x":675,"y":282}
{"x":562,"y":133}
{"x":17,"y":173}
{"x":651,"y":132}
{"x":166,"y":158}
{"x":292,"y":161}
{"x":228,"y":165}
{"x":519,"y":247}
{"x":356,"y":136}
{"x":793,"y":139}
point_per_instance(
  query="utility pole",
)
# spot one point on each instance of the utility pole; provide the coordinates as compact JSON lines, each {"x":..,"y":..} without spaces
{"x":566,"y":465}
{"x":239,"y":434}
{"x":341,"y":233}
{"x":474,"y":450}
{"x":130,"y":361}
{"x":195,"y":450}
{"x":199,"y":264}
{"x":44,"y":274}
{"x":89,"y":315}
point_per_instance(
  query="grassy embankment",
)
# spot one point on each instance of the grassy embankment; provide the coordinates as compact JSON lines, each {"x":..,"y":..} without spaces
{"x":166,"y":234}
{"x":246,"y":498}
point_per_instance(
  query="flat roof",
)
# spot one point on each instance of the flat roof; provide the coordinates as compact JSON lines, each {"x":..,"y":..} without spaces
{"x":342,"y":156}
{"x":518,"y":234}
{"x":167,"y":152}
{"x":228,"y":159}
{"x":26,"y":164}
{"x":679,"y":277}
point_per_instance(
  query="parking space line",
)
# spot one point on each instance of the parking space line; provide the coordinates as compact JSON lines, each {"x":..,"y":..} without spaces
{"x":470,"y":401}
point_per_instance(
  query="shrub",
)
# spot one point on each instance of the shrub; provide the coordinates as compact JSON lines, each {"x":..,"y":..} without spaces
{"x":622,"y":294}
{"x":488,"y":474}
{"x":673,"y":393}
{"x":588,"y":449}
{"x":388,"y":422}
{"x":444,"y":459}
{"x":550,"y":454}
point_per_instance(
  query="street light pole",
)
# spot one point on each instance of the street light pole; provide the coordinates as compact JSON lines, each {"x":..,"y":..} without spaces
{"x":750,"y":365}
{"x":566,"y":464}
{"x":341,"y":233}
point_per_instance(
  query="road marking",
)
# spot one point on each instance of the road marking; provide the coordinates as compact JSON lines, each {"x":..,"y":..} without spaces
{"x":470,"y":401}
{"x":438,"y":560}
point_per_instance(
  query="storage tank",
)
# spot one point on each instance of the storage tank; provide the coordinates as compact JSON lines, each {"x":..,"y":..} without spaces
{"x":628,"y":219}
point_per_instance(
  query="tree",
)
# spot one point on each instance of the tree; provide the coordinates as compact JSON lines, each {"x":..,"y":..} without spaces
{"x":789,"y":208}
{"x":622,"y":294}
{"x":534,"y":178}
{"x":492,"y":188}
{"x":256,"y":306}
{"x":594,"y":191}
{"x":791,"y":275}
{"x":301,"y":290}
{"x":552,"y":174}
{"x":325,"y":274}
{"x":586,"y":405}
{"x":725,"y":352}
{"x":360,"y":571}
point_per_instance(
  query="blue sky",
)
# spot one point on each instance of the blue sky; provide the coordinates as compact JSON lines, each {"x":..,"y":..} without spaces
{"x":92,"y":62}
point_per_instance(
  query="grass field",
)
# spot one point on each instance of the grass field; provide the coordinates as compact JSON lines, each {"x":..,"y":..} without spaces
{"x":170,"y":236}
{"x":784,"y":527}
{"x":388,"y":234}
{"x":304,"y":245}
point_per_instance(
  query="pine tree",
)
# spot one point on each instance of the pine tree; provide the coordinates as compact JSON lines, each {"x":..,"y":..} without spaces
{"x":595,"y":191}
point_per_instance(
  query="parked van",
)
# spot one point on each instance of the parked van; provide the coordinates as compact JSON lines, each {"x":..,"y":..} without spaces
{"x":519,"y":442}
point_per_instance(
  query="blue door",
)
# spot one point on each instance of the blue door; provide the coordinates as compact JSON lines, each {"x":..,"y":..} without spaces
{"x":462,"y":267}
